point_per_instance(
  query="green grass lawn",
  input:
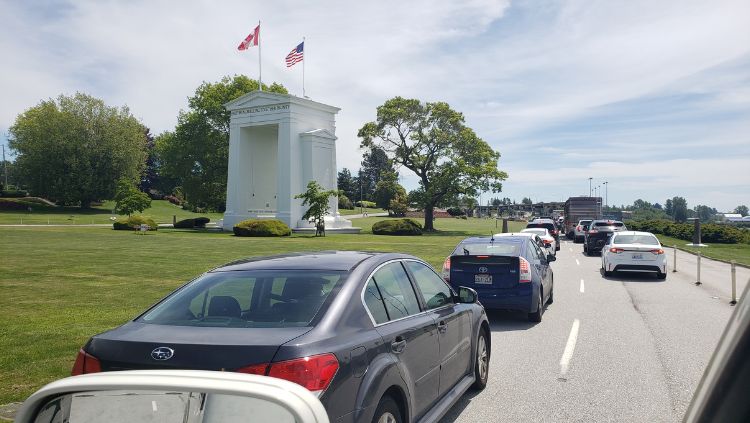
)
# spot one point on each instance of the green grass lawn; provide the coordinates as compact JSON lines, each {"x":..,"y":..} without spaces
{"x":161,"y":211}
{"x":357,"y":210}
{"x":61,"y":285}
{"x":738,"y":252}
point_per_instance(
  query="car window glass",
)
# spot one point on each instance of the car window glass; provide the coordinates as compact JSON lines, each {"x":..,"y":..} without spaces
{"x":396,"y":290}
{"x":636,"y":239}
{"x":532,"y":252}
{"x":264,"y":298}
{"x":540,"y":253}
{"x":488,"y":248}
{"x":374,"y":302}
{"x":434,"y":291}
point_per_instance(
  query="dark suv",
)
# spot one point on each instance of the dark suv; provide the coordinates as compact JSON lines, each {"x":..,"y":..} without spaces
{"x":598,"y":233}
{"x":550,"y":225}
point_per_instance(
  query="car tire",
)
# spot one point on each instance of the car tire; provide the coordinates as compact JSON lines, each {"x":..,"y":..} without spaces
{"x":661,"y":276}
{"x":387,"y":411}
{"x":536,"y":316}
{"x":551,"y":298}
{"x":585,"y":250}
{"x":482,"y":361}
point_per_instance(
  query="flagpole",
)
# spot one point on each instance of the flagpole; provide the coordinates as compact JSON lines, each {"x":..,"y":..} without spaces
{"x":304,"y":48}
{"x":260,"y":69}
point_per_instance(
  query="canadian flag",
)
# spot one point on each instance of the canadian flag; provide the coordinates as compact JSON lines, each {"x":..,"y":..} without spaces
{"x":250,"y":40}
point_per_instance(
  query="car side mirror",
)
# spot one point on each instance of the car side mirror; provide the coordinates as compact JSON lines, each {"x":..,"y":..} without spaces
{"x":550,"y":257}
{"x":467,"y":295}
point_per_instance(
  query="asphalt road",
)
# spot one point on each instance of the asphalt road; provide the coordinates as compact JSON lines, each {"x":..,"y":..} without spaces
{"x":626,"y":348}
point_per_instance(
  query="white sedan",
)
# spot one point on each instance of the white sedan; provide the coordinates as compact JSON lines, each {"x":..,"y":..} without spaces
{"x":549,"y":241}
{"x":631,"y":251}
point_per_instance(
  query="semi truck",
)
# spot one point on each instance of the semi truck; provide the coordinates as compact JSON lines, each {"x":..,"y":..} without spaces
{"x":577,"y":208}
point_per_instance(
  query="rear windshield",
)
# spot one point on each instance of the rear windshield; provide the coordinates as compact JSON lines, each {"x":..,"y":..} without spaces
{"x":538,"y":231}
{"x":541,"y":225}
{"x":489,"y":249}
{"x":616,"y":224}
{"x":584,"y":222}
{"x":636,"y":239}
{"x":259,"y":299}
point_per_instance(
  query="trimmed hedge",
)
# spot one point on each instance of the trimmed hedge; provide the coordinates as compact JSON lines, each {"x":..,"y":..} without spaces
{"x":23,"y":204}
{"x":262,"y":227}
{"x":134,"y":222}
{"x":397,"y":227}
{"x":710,"y":232}
{"x":455,"y":211}
{"x":365,"y":203}
{"x":198,"y":222}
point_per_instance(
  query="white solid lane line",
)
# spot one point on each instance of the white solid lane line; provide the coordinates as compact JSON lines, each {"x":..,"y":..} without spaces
{"x":578,"y":263}
{"x":569,"y":348}
{"x":581,"y":286}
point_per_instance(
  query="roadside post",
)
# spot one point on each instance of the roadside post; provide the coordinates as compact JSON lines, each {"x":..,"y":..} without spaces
{"x":698,"y":282}
{"x":505,"y":225}
{"x":674,"y":256}
{"x":734,"y":284}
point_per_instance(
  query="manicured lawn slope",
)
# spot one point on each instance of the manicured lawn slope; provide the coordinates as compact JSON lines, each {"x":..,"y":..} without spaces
{"x":738,"y":252}
{"x":61,"y":285}
{"x":161,"y":211}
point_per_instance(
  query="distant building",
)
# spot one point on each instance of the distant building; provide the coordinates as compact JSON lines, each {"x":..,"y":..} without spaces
{"x":734,"y":217}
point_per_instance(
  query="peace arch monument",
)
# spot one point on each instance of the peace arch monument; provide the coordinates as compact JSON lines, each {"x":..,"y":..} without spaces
{"x":277,"y":144}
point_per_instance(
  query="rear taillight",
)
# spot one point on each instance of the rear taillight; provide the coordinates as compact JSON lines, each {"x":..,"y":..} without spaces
{"x":579,"y":228}
{"x":547,"y":242}
{"x":85,"y":363}
{"x":524,"y":270}
{"x":255,"y":369}
{"x":616,"y":250}
{"x":447,"y":269}
{"x":314,"y":373}
{"x":658,"y":251}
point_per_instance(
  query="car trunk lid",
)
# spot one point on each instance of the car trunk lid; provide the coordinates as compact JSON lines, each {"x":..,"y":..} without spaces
{"x":132,"y":346}
{"x":484,"y":271}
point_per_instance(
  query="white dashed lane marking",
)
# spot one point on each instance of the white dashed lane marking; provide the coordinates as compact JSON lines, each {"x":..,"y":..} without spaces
{"x":578,"y":263}
{"x":581,"y":286}
{"x":569,"y":348}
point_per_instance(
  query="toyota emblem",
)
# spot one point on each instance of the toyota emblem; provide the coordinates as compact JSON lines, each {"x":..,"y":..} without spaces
{"x":482,"y":269}
{"x":162,"y":353}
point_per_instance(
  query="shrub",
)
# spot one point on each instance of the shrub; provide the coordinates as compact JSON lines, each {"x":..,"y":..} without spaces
{"x":397,"y":227}
{"x":710,"y":232}
{"x":345,"y":203}
{"x":198,"y":222}
{"x":262,"y":227}
{"x":134,"y":222}
{"x":174,"y":200}
{"x":13,"y":193}
{"x":365,"y":203}
{"x":8,"y":204}
{"x":455,"y":211}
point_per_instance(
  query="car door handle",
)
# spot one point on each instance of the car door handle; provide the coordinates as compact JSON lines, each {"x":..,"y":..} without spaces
{"x":398,"y":345}
{"x":442,"y":326}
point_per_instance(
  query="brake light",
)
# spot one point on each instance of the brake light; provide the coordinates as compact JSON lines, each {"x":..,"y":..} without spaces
{"x":524,"y":270}
{"x":255,"y":369}
{"x":314,"y":373}
{"x":547,"y":242}
{"x":447,"y":269}
{"x":483,"y":256}
{"x":579,"y":228}
{"x":658,"y":251}
{"x":616,"y":250}
{"x":85,"y":363}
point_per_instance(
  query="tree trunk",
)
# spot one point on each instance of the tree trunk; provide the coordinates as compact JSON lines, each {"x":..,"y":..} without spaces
{"x":429,"y":218}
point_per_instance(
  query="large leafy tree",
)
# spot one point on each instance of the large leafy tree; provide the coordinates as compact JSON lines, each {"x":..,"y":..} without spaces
{"x":387,"y":189}
{"x":73,"y":150}
{"x":679,"y":209}
{"x":317,"y":199}
{"x":741,"y":210}
{"x":128,"y":199}
{"x":432,"y":140}
{"x":196,"y":153}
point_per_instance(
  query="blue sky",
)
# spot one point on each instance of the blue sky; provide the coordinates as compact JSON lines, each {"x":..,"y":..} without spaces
{"x":652,"y":97}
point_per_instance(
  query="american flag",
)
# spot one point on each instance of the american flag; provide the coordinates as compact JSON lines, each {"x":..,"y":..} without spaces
{"x":296,"y":55}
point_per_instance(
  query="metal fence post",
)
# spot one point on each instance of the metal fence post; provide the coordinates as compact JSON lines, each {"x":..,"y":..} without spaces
{"x":734,"y":284}
{"x":674,"y":266}
{"x":698,"y":282}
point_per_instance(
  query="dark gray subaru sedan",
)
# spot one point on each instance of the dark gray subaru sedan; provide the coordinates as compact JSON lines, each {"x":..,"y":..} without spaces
{"x":379,"y":337}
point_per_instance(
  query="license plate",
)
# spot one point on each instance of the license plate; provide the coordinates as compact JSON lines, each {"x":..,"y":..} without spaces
{"x":637,"y":256}
{"x":483,"y":279}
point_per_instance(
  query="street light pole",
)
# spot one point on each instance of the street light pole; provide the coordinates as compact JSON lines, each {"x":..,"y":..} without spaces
{"x":606,"y":199}
{"x":590,"y":186}
{"x":5,"y":166}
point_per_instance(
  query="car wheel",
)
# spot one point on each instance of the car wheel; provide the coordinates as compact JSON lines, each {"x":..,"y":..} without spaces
{"x":482,"y":364}
{"x":537,"y":315}
{"x":387,"y":411}
{"x":661,"y":276}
